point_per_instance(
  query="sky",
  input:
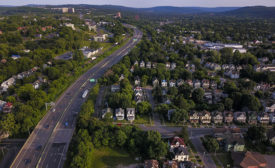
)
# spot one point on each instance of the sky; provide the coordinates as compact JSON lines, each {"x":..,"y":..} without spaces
{"x":147,"y":3}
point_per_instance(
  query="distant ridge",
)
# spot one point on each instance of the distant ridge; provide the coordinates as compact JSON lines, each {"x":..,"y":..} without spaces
{"x":253,"y":11}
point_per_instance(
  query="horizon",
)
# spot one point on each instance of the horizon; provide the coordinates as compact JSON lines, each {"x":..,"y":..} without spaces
{"x":146,"y":3}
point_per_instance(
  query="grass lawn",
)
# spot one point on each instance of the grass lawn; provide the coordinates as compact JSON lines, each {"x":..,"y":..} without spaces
{"x":106,"y":157}
{"x":143,"y":120}
{"x":225,"y":159}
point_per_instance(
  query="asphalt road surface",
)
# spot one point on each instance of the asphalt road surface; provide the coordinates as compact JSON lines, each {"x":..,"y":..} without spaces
{"x":48,"y":143}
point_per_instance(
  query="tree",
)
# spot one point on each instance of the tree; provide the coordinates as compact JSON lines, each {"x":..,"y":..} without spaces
{"x":197,"y":95}
{"x":120,"y":137}
{"x":228,"y":103}
{"x":179,"y":116}
{"x":144,"y":108}
{"x":7,"y":123}
{"x":78,"y":56}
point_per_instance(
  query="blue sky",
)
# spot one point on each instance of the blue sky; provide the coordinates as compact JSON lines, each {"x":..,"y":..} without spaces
{"x":147,"y":3}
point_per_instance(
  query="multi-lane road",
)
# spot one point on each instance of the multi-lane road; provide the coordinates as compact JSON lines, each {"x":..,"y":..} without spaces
{"x":48,"y":143}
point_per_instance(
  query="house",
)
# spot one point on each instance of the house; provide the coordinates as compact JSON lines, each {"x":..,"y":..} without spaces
{"x":176,"y":142}
{"x":252,"y":118}
{"x":205,"y":117}
{"x":170,"y":164}
{"x":228,"y":117}
{"x":2,"y":104}
{"x":270,"y":109}
{"x":163,"y":83}
{"x":36,"y":84}
{"x":6,"y":84}
{"x":151,"y":164}
{"x":180,"y":154}
{"x":205,"y":83}
{"x":132,"y":69}
{"x":248,"y":160}
{"x":172,"y":83}
{"x":271,"y":136}
{"x":233,"y":74}
{"x":194,"y":117}
{"x":263,"y":118}
{"x":189,"y":82}
{"x":100,"y":38}
{"x":167,"y":101}
{"x":70,"y":25}
{"x":173,"y":66}
{"x":217,"y":117}
{"x":197,"y":84}
{"x":240,"y":117}
{"x":213,"y":85}
{"x":169,"y":113}
{"x":7,"y":107}
{"x":121,"y":77}
{"x":272,"y":118}
{"x":142,"y":64}
{"x":107,"y":111}
{"x":178,"y":148}
{"x":208,"y":97}
{"x":137,"y":81}
{"x":167,"y":65}
{"x":180,"y":82}
{"x":136,"y":63}
{"x":130,"y":112}
{"x":148,"y":65}
{"x":234,"y":143}
{"x":115,"y":88}
{"x":15,"y":57}
{"x":119,"y":113}
{"x":155,"y":82}
{"x":154,"y":65}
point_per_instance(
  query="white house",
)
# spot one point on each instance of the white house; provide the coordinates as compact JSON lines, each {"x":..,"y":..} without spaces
{"x":142,"y":64}
{"x":130,"y":114}
{"x":270,"y":109}
{"x":6,"y":84}
{"x":163,"y":83}
{"x":70,"y":25}
{"x":119,"y":113}
{"x":172,"y":83}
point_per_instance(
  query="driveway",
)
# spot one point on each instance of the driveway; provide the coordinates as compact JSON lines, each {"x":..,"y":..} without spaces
{"x":206,"y":157}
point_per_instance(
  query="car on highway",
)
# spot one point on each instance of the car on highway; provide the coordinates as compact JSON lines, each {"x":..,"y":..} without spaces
{"x":39,"y":147}
{"x":27,"y":161}
{"x":85,"y":93}
{"x":47,"y":126}
{"x":66,"y":124}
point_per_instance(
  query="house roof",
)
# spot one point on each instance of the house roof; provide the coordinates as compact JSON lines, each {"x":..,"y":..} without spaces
{"x":178,"y":140}
{"x":180,"y":151}
{"x":253,"y":159}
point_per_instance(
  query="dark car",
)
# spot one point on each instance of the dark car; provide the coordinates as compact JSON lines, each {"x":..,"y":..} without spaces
{"x":27,"y":161}
{"x":39,"y":147}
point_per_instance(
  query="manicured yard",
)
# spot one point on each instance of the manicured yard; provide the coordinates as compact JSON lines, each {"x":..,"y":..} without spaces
{"x":106,"y":157}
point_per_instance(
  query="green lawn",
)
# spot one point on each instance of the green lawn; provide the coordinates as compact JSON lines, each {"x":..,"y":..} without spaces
{"x":106,"y":157}
{"x":224,"y":158}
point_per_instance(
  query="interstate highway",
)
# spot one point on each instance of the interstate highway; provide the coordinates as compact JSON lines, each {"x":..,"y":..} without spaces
{"x":48,"y":143}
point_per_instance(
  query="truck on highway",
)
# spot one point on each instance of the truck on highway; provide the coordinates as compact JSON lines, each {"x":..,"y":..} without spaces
{"x":85,"y":93}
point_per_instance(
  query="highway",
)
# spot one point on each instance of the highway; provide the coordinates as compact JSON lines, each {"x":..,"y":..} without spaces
{"x":48,"y":143}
